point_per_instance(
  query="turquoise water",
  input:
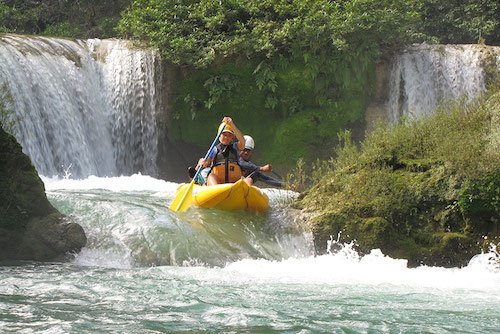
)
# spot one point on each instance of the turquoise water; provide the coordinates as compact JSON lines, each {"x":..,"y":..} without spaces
{"x":149,"y":270}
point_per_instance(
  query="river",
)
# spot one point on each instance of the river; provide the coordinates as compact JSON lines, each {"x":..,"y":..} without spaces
{"x":147,"y":269}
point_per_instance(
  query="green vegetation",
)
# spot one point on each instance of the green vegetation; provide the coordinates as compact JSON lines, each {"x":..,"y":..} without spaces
{"x":427,"y":190}
{"x":291,"y":74}
{"x":287,"y":120}
{"x":76,"y":19}
{"x":457,"y":21}
{"x":227,"y":26}
{"x":199,"y":32}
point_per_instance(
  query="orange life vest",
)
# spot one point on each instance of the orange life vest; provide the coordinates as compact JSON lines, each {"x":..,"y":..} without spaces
{"x":225,"y":164}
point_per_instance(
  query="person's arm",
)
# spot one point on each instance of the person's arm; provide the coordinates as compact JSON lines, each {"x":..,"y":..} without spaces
{"x":237,"y":132}
{"x":247,"y":165}
{"x":204,"y":163}
{"x":269,"y":180}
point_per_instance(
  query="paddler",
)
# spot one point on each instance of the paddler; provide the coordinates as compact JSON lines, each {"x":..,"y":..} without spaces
{"x":223,"y":158}
{"x":251,"y":171}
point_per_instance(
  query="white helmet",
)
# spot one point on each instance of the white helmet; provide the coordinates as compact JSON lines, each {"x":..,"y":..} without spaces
{"x":249,"y":143}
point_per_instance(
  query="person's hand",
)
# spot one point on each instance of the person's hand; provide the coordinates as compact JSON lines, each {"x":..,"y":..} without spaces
{"x":266,"y":168}
{"x":201,"y":163}
{"x":228,"y":121}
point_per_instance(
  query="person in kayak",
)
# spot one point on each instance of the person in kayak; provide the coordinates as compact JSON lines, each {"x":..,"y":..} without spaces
{"x":223,"y":158}
{"x":251,"y":171}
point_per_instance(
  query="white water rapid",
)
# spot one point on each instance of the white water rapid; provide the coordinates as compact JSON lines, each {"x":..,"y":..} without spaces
{"x":423,"y":76}
{"x":83,"y":107}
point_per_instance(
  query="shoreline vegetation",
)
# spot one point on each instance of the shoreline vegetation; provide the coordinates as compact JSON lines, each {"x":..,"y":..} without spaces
{"x":426,"y":190}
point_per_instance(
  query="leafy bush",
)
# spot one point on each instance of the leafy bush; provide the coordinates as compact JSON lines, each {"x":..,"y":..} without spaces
{"x":457,"y":22}
{"x":424,"y":152}
{"x":481,"y":196}
{"x":77,"y":19}
{"x":426,"y":189}
{"x":197,"y":32}
{"x":63,"y":29}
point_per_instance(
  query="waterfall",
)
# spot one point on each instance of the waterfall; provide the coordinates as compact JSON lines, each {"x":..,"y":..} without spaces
{"x":424,"y":76}
{"x":83,"y":107}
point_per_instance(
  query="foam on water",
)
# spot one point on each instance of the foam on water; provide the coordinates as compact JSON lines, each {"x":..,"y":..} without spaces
{"x":136,"y":182}
{"x":347,"y":267}
{"x":298,"y":266}
{"x":147,"y":269}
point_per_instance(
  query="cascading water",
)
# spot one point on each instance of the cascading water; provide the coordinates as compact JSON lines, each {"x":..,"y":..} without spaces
{"x":133,"y":80}
{"x":88,"y":106}
{"x":424,"y":76}
{"x":128,"y":223}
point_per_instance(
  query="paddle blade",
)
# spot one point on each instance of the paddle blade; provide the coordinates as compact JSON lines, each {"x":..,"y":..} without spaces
{"x":183,"y":199}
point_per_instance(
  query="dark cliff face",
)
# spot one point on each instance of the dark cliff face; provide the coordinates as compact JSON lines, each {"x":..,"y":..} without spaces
{"x":30,"y":227}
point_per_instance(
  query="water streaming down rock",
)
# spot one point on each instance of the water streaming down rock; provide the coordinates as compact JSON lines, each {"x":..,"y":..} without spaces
{"x":133,"y":78}
{"x":425,"y":75}
{"x":91,"y":106}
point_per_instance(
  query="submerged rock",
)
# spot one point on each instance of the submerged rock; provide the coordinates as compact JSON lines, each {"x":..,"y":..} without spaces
{"x":30,"y":227}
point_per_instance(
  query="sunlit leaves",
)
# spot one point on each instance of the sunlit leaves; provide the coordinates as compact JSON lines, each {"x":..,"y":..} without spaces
{"x":198,"y":32}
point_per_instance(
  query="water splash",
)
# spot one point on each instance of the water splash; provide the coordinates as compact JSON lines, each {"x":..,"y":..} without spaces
{"x":128,"y":218}
{"x":346,"y":267}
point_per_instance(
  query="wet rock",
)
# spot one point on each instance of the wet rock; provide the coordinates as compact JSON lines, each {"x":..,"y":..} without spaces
{"x":30,"y":227}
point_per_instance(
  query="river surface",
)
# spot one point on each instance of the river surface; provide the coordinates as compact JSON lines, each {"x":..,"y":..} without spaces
{"x":147,"y":269}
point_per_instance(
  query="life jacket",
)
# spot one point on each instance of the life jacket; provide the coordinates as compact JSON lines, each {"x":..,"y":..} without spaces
{"x":225,"y":164}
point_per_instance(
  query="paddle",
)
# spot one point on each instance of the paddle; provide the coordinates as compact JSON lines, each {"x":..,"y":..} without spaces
{"x":279,"y":176}
{"x":184,"y":198}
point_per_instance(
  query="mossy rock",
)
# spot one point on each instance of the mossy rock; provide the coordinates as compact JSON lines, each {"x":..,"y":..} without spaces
{"x":451,"y":250}
{"x":426,"y":190}
{"x":23,"y":194}
{"x":376,"y":232}
{"x":420,"y":236}
{"x":51,"y":238}
{"x":422,"y":248}
{"x":324,"y":227}
{"x":30,"y":227}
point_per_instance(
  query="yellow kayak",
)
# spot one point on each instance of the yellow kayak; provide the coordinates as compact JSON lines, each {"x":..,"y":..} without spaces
{"x":229,"y":196}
